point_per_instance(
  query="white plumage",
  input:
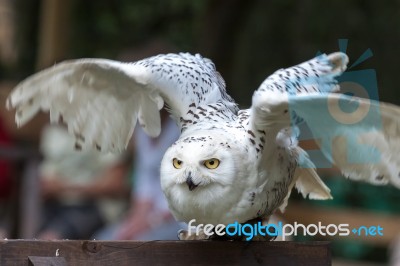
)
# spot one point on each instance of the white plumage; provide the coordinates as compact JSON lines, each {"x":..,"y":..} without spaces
{"x":228,"y":164}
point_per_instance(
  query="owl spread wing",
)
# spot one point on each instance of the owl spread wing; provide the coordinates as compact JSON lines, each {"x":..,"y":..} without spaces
{"x":101,"y":100}
{"x":363,"y":143}
{"x":360,"y":136}
{"x":315,"y":76}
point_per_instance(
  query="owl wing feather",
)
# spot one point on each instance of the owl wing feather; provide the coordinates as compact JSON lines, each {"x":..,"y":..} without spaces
{"x":363,"y":142}
{"x":101,"y":100}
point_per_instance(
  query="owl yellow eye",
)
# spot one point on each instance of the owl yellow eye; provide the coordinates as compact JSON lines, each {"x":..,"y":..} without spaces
{"x":177,"y":163}
{"x":212,"y":163}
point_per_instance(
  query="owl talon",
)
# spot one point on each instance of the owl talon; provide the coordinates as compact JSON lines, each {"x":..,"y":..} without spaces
{"x":184,"y":235}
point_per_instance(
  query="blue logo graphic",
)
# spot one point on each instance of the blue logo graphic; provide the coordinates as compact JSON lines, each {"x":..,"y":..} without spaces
{"x":343,"y":122}
{"x":368,"y":231}
{"x":249,"y":231}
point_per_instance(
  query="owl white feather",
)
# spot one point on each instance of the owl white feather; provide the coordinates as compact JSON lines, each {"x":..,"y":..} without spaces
{"x":228,"y":164}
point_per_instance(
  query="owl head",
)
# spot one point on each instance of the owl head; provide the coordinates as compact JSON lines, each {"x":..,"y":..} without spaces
{"x":199,"y":165}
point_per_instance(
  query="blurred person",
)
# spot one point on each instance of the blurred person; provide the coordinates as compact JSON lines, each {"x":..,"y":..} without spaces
{"x":149,"y":217}
{"x":81,"y":190}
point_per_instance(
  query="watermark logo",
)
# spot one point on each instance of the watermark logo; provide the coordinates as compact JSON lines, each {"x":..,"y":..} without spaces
{"x":249,"y":231}
{"x":345,"y":120}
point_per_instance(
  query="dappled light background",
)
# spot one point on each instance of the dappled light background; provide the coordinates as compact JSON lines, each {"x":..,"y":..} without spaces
{"x":247,"y":40}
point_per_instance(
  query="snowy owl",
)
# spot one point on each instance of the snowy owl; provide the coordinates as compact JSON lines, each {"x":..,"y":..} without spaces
{"x":228,"y":165}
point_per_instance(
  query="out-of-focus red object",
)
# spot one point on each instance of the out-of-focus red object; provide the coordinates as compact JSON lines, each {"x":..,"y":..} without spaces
{"x":5,"y":165}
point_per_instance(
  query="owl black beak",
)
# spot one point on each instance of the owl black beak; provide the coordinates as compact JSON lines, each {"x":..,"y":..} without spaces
{"x":190,"y":183}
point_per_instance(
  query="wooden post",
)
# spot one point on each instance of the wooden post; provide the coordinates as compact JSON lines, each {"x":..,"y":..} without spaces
{"x":53,"y":32}
{"x":81,"y":252}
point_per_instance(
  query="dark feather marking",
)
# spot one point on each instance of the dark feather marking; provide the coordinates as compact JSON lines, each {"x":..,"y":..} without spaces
{"x":213,"y":107}
{"x":185,"y":121}
{"x":79,"y":136}
{"x":78,"y":146}
{"x":61,"y":120}
{"x":251,"y":133}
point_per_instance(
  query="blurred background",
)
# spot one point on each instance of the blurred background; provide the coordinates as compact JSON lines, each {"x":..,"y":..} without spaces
{"x":247,"y":40}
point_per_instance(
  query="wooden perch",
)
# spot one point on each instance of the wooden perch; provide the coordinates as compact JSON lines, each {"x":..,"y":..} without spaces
{"x":79,"y":252}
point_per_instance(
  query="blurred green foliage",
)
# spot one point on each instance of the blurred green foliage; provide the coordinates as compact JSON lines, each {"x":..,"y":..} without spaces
{"x":116,"y":25}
